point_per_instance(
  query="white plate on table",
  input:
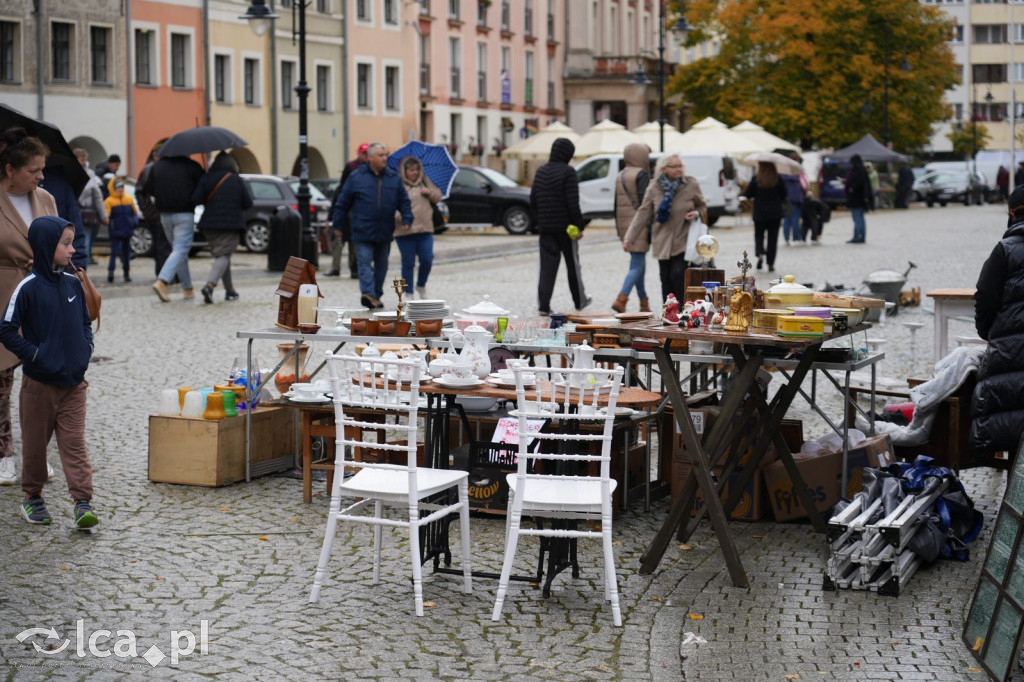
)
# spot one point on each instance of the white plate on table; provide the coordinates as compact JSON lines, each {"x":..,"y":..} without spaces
{"x":606,"y":388}
{"x":619,"y":411}
{"x":408,"y":380}
{"x":498,"y":383}
{"x":460,"y":383}
{"x":309,"y":399}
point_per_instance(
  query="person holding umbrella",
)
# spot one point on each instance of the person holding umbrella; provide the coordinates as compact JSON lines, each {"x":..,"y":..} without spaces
{"x":22,"y":159}
{"x":225,"y":198}
{"x":170,"y":182}
{"x":417,"y":240}
{"x":768,"y":192}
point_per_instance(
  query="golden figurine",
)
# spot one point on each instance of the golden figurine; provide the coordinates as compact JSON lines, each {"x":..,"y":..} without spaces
{"x":741,"y":308}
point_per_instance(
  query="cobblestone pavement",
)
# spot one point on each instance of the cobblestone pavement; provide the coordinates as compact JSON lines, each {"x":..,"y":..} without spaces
{"x":168,"y":558}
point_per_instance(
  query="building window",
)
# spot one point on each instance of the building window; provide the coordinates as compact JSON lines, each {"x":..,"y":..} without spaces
{"x":10,"y":51}
{"x":989,"y":34}
{"x":551,"y":22}
{"x":424,"y":64}
{"x":251,"y":72}
{"x":391,"y":12}
{"x":453,"y":9}
{"x":363,"y":10}
{"x":958,"y":112}
{"x":506,"y":16}
{"x":364,"y":86}
{"x":323,"y":6}
{"x":455,"y":60}
{"x":61,"y":50}
{"x":551,"y":83}
{"x":392,"y":88}
{"x":99,"y":51}
{"x":958,"y":34}
{"x":481,"y":13}
{"x":323,"y":88}
{"x":145,"y":51}
{"x":528,"y":85}
{"x":180,"y":54}
{"x":528,"y":18}
{"x":287,"y":85}
{"x":506,"y":60}
{"x":481,"y":71}
{"x":221,"y":77}
{"x":1018,"y":72}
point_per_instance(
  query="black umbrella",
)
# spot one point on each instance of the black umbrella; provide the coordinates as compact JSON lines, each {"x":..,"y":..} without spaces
{"x":61,"y":155}
{"x":200,"y":141}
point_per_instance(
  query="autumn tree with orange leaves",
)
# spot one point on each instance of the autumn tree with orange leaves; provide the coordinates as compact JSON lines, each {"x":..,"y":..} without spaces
{"x":814,"y":71}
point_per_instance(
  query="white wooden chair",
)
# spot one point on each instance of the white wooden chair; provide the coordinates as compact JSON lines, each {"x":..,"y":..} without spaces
{"x":565,"y":485}
{"x":358,"y":383}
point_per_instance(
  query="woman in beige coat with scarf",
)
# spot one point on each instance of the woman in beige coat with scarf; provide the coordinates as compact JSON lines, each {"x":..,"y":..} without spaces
{"x":417,"y":240}
{"x":673,"y":200}
{"x":22,"y":159}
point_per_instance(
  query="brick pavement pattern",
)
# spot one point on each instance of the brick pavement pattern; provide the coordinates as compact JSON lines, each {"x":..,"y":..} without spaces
{"x":241,"y":558}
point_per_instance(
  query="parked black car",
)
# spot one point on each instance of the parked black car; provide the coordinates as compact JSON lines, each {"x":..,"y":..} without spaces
{"x":269,"y":192}
{"x":481,"y":195}
{"x":943,"y":187}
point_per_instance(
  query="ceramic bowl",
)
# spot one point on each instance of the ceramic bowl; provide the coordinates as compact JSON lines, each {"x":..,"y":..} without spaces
{"x":309,"y":328}
{"x":472,"y":403}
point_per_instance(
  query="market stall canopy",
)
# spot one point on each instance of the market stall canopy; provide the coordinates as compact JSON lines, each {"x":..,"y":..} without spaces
{"x":607,"y":137}
{"x":650,"y":133}
{"x":869,"y":149}
{"x":711,"y":136}
{"x":539,"y":146}
{"x":763,"y":137}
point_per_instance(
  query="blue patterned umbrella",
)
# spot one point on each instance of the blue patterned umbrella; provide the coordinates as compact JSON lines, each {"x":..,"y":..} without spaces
{"x":437,"y":162}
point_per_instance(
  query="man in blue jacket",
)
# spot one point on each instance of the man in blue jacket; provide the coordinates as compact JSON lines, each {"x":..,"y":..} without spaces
{"x":367,"y":206}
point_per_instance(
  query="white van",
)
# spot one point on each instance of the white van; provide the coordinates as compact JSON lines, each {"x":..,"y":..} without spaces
{"x":716,"y":174}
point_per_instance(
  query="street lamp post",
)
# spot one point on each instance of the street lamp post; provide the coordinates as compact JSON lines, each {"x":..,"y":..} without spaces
{"x":260,"y":17}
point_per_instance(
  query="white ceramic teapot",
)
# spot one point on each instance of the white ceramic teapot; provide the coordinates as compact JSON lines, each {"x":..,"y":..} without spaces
{"x":583,"y":356}
{"x":475,"y":349}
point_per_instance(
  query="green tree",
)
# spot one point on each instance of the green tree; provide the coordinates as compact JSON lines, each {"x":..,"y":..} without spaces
{"x":964,"y":140}
{"x":814,"y":71}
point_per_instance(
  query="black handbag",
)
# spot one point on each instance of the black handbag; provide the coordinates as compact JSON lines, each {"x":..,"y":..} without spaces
{"x":438,"y":217}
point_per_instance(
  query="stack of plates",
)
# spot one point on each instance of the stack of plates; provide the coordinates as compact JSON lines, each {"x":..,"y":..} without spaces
{"x":426,"y":309}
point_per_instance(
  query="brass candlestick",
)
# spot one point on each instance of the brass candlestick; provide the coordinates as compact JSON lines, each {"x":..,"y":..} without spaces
{"x":743,"y":265}
{"x":399,"y":285}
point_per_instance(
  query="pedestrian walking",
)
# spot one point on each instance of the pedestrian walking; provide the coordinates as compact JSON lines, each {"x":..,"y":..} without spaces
{"x":367,"y":206}
{"x":151,"y":217}
{"x":1003,"y":183}
{"x":555,"y":201}
{"x":1018,"y":175}
{"x":46,"y":325}
{"x":673,"y":200}
{"x":337,"y":236}
{"x":768,"y":192}
{"x":816,"y":214}
{"x":416,"y":241}
{"x":124,"y":218}
{"x":997,"y":406}
{"x":22,"y":158}
{"x":90,"y":203}
{"x":796,"y":187}
{"x":858,"y":197}
{"x":905,"y":186}
{"x":630,"y":187}
{"x":873,"y":181}
{"x":171,"y":182}
{"x":225,"y":198}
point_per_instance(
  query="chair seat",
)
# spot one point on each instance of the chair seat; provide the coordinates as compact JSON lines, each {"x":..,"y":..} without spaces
{"x":561,"y":494}
{"x":388,"y":483}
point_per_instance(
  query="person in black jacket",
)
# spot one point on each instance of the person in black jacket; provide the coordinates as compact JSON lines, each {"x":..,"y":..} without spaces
{"x":225,"y":198}
{"x":555,"y":200}
{"x":768,"y":191}
{"x":858,"y":197}
{"x":997,"y":407}
{"x":171,"y":182}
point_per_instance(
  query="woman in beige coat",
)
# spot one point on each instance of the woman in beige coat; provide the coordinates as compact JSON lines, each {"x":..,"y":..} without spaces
{"x":630,"y":186}
{"x":417,"y":240}
{"x":22,"y":159}
{"x":673,"y":200}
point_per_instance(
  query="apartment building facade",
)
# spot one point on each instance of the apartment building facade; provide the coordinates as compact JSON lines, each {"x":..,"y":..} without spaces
{"x":490,"y":72}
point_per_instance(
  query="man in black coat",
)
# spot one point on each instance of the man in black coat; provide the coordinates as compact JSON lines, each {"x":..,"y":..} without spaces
{"x":997,"y":407}
{"x":555,"y":200}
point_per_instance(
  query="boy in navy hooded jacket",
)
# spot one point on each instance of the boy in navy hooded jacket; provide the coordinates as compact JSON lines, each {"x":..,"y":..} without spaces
{"x":46,"y":325}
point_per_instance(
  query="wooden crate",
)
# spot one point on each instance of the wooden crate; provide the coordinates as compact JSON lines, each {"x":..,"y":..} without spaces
{"x":212,"y":453}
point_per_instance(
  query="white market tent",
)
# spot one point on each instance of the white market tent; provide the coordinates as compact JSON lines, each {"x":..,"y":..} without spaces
{"x":711,"y":136}
{"x":607,"y":137}
{"x":539,"y":146}
{"x":650,"y":134}
{"x":763,"y":137}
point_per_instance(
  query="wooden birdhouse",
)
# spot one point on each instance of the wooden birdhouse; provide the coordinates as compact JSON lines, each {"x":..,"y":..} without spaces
{"x":297,"y":273}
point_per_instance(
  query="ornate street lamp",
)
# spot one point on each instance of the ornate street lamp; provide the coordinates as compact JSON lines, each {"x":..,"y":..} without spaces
{"x":260,"y":18}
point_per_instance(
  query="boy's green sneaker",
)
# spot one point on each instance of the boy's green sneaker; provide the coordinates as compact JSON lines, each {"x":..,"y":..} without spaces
{"x":35,"y":511}
{"x":85,"y":517}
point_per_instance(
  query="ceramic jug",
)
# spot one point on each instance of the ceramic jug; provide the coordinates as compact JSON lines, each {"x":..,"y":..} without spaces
{"x":583,"y":356}
{"x":475,"y":349}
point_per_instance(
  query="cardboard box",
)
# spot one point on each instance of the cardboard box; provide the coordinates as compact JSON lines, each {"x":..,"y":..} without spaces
{"x":822,"y":475}
{"x":792,"y":432}
{"x":751,"y":505}
{"x":212,"y":453}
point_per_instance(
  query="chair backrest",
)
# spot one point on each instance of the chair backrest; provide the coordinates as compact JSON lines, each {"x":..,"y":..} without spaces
{"x":573,"y":400}
{"x":364,"y":388}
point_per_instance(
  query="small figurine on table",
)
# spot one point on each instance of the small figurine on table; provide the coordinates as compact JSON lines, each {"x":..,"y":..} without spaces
{"x":717,"y":320}
{"x":671,"y":313}
{"x":741,"y":307}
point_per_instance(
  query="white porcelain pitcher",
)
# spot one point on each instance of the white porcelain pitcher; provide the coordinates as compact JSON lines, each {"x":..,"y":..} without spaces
{"x":475,"y":349}
{"x":583,"y":356}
